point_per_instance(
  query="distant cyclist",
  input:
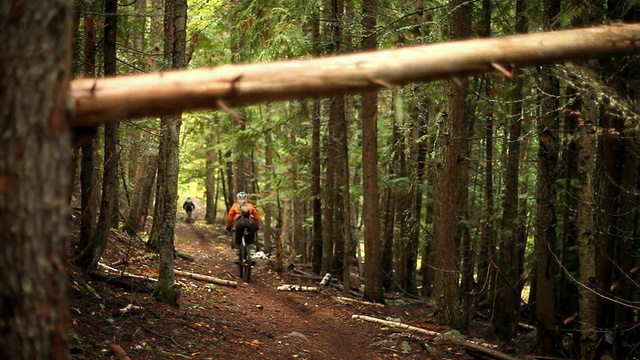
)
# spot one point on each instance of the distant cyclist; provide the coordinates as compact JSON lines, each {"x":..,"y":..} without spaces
{"x":243,"y":215}
{"x":188,"y":206}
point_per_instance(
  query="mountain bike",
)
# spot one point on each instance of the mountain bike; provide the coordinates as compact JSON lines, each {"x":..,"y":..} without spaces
{"x":245,"y":262}
{"x":189,"y":219}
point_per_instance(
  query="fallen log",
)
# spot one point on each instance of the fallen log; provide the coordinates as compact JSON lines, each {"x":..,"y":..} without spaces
{"x":185,"y":256}
{"x":124,"y":273}
{"x":206,"y":278}
{"x":129,"y":309}
{"x":98,"y":101}
{"x":296,"y":288}
{"x":466,"y":343}
{"x":346,"y":300}
{"x":395,"y":324}
{"x":124,"y":281}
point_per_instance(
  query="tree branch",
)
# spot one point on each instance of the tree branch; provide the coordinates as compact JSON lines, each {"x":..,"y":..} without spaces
{"x":105,"y":100}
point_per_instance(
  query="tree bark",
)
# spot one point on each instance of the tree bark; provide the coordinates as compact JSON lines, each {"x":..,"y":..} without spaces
{"x":585,"y":237}
{"x":507,"y":296}
{"x":371,"y":206}
{"x":145,"y":175}
{"x":449,"y":146}
{"x":420,"y":119}
{"x":91,"y":254}
{"x":87,"y":172}
{"x":164,"y":221}
{"x":546,"y":192}
{"x":34,"y":212}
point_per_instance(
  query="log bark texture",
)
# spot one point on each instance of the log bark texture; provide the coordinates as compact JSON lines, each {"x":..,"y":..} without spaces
{"x":104,"y":100}
{"x":206,"y":278}
{"x":466,"y":343}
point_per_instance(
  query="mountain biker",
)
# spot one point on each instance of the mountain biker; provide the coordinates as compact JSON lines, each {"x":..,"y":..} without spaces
{"x":243,"y":215}
{"x":188,"y":206}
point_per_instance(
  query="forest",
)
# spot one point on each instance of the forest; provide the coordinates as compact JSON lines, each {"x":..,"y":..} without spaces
{"x":507,"y":191}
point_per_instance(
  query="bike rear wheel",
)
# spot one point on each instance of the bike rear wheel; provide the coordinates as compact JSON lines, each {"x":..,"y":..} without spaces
{"x":241,"y":262}
{"x":244,"y":264}
{"x":246,"y":275}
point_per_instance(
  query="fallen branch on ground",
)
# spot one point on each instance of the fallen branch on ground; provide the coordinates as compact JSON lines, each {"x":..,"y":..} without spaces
{"x":123,"y":281}
{"x":395,"y":324}
{"x":296,"y":288}
{"x":206,"y":278}
{"x":185,"y":256}
{"x":124,"y":273}
{"x":326,"y":279}
{"x":129,"y":309}
{"x":466,"y":343}
{"x":346,"y":300}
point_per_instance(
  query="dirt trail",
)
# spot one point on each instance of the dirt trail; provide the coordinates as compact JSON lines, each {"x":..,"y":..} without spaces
{"x":250,"y":321}
{"x":299,"y":324}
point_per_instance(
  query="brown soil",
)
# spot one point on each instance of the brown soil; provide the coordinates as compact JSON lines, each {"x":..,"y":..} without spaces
{"x":250,"y":321}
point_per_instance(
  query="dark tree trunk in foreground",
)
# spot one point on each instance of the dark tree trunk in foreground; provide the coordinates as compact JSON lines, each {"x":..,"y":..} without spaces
{"x":34,"y":212}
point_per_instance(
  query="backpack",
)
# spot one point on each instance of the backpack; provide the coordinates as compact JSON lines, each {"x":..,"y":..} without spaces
{"x":245,"y":210}
{"x":189,"y":205}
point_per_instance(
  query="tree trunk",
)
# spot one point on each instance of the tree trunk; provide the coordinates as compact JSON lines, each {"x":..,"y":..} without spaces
{"x":546,"y":198}
{"x":267,"y":206}
{"x":545,"y":239}
{"x":87,"y":172}
{"x":627,"y":235}
{"x":164,"y":221}
{"x":567,"y":290}
{"x":34,"y":213}
{"x":390,"y":202}
{"x":337,"y":113}
{"x":467,"y":254}
{"x":371,"y":207}
{"x":91,"y":254}
{"x":211,"y":183}
{"x":586,"y":238}
{"x":145,"y":175}
{"x":449,"y":146}
{"x":411,"y":251}
{"x":507,"y":297}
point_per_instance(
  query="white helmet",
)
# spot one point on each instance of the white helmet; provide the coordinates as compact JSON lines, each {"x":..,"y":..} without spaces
{"x":241,"y":195}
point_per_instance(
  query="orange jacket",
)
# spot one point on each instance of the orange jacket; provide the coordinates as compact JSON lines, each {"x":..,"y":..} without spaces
{"x":234,"y":214}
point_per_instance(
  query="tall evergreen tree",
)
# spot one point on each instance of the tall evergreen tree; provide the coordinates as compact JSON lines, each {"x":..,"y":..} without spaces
{"x":167,"y":184}
{"x":449,"y":146}
{"x":546,"y":191}
{"x":371,"y":210}
{"x":91,"y":254}
{"x":508,"y":296}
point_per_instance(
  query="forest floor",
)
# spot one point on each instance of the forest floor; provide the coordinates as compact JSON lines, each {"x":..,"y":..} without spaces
{"x":250,"y":321}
